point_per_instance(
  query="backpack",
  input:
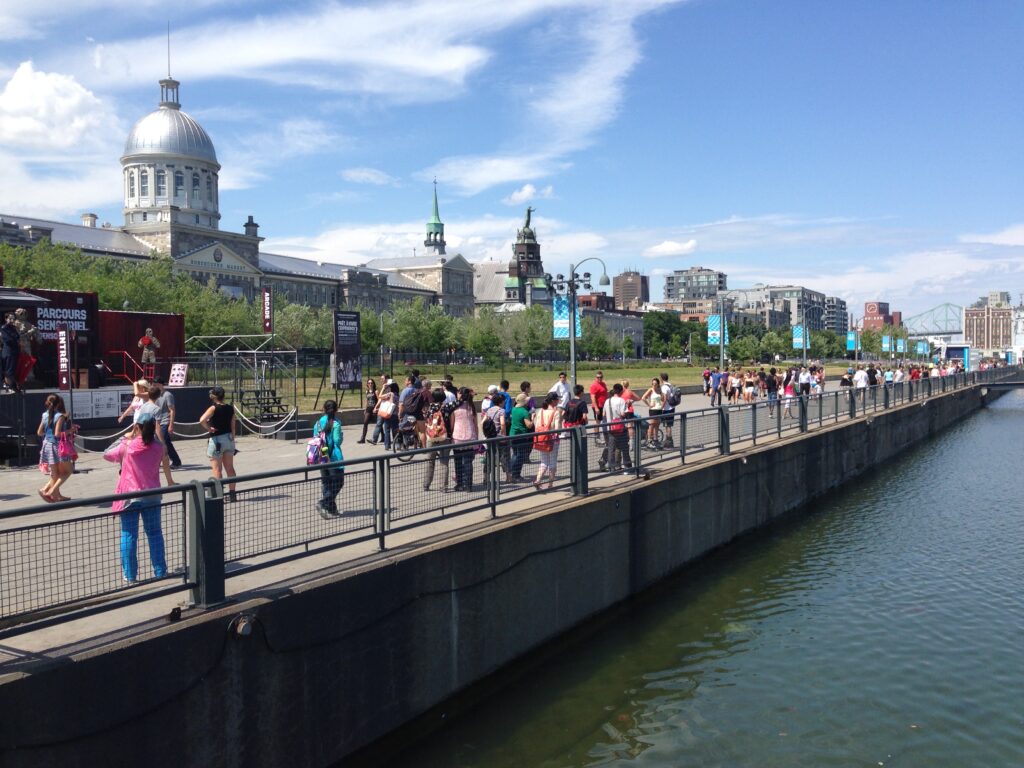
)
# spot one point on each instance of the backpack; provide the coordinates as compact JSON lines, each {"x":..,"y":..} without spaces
{"x":675,"y":396}
{"x":544,"y":443}
{"x":436,"y":428}
{"x":490,"y":428}
{"x":317,"y":451}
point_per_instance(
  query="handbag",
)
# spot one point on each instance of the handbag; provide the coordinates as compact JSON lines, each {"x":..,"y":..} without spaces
{"x":66,"y":446}
{"x":385,"y":409}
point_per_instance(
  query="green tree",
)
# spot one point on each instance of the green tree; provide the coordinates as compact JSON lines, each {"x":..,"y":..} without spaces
{"x":744,"y":349}
{"x":772,"y":344}
{"x":659,"y":328}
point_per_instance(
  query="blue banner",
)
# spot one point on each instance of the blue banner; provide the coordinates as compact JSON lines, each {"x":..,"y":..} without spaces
{"x":714,"y":331}
{"x":922,"y":347}
{"x":901,"y":345}
{"x":798,"y":337}
{"x":887,"y":343}
{"x":851,"y":341}
{"x":560,"y":317}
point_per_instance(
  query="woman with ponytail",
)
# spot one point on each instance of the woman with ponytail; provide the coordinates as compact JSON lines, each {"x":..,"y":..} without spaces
{"x":332,"y":478}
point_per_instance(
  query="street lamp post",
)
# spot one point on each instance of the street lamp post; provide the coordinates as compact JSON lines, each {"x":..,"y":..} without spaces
{"x":570,"y":284}
{"x":803,"y":327}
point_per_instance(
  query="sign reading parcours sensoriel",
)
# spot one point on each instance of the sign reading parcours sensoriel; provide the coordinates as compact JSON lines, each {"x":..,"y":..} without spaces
{"x":348,"y":350}
{"x":560,"y":317}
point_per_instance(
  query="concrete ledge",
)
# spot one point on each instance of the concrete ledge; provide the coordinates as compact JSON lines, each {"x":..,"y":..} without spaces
{"x":335,"y":663}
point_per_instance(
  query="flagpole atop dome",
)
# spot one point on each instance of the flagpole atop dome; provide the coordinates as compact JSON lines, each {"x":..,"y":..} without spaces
{"x":168,"y":49}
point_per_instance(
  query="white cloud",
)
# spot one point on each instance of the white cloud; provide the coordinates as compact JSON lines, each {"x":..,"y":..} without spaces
{"x":57,"y":140}
{"x":368,"y":176}
{"x":1012,"y":235}
{"x":471,"y":175}
{"x":529,"y":192}
{"x":249,"y":159}
{"x":671,"y":248}
{"x":52,"y":112}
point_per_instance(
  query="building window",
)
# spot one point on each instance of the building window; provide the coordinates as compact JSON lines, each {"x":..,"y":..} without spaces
{"x":179,"y":184}
{"x":196,"y":193}
{"x":131,"y":183}
{"x":161,"y":184}
{"x":209,"y":189}
{"x":144,"y":184}
{"x":197,"y":218}
{"x":145,"y":216}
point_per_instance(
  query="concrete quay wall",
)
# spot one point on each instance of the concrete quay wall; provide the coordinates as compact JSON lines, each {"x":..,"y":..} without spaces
{"x":335,"y":663}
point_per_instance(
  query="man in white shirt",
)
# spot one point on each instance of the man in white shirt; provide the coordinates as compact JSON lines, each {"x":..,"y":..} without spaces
{"x":616,"y":451}
{"x":860,"y":378}
{"x":561,"y":388}
{"x":805,"y":381}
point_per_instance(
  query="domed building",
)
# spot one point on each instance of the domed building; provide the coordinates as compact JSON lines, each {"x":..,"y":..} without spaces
{"x":170,"y":167}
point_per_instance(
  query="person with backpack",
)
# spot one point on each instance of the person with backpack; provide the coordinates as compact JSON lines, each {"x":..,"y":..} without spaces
{"x":219,"y":420}
{"x":332,"y":478}
{"x":545,"y":442}
{"x":576,"y":410}
{"x":520,"y":427}
{"x":672,"y":396}
{"x":494,"y":423}
{"x":616,"y":453}
{"x":439,"y":433}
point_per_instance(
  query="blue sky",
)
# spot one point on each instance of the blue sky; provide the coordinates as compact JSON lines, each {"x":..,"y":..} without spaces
{"x":871,"y":150}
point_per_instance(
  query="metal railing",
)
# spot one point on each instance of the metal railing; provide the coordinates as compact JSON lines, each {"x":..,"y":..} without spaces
{"x":51,"y":564}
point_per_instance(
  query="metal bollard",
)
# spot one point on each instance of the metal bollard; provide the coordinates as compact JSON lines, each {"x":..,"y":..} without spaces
{"x":206,"y":544}
{"x":723,"y":431}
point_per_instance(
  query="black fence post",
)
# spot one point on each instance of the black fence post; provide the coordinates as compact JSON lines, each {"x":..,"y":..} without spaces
{"x":853,"y":403}
{"x":803,"y":413}
{"x":379,"y":500}
{"x":578,"y":443}
{"x":491,"y":476}
{"x":682,"y":437}
{"x":885,"y":397}
{"x":753,"y":423}
{"x":723,"y":430}
{"x":206,"y":544}
{"x":639,"y":426}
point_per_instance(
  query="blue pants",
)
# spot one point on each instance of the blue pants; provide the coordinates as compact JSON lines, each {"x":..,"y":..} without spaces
{"x":383,"y":426}
{"x":149,"y":510}
{"x":464,"y":467}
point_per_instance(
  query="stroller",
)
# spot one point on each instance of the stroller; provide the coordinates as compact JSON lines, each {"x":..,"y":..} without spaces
{"x":405,"y":438}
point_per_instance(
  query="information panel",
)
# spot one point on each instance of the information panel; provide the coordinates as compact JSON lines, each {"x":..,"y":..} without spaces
{"x":348,"y":351}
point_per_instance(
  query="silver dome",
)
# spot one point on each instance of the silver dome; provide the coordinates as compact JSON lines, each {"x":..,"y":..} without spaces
{"x":169,"y":131}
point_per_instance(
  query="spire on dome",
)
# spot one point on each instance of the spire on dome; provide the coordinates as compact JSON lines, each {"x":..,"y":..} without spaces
{"x":435,"y":229}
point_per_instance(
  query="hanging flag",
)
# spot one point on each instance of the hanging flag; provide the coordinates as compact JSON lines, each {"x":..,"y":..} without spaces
{"x":268,"y":311}
{"x":851,"y":341}
{"x":901,"y":345}
{"x":715,"y":331}
{"x":798,"y":337}
{"x":886,"y":343}
{"x":560,"y":318}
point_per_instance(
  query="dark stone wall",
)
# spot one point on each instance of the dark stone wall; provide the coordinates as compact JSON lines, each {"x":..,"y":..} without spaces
{"x":333,"y":664}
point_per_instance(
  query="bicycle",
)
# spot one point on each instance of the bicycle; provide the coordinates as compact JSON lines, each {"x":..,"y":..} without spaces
{"x":405,"y":439}
{"x":657,"y":443}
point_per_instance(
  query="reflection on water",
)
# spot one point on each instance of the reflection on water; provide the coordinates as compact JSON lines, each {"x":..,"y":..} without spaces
{"x":885,"y":628}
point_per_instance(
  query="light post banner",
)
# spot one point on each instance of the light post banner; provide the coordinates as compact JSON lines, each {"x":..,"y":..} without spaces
{"x":922,"y":347}
{"x":560,"y":319}
{"x":798,"y":337}
{"x":851,"y":341}
{"x":901,"y":345}
{"x":715,"y":331}
{"x":268,"y":311}
{"x":63,"y":357}
{"x":348,"y":351}
{"x":887,"y":343}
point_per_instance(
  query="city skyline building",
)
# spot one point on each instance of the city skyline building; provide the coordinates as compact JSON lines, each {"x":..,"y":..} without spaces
{"x":989,"y":329}
{"x":836,"y":316}
{"x":694,"y":283}
{"x":877,"y":316}
{"x":631,"y":290}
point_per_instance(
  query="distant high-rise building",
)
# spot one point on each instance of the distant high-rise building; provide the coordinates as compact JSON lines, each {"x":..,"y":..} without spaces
{"x":836,"y":318}
{"x":798,"y":299}
{"x":877,"y":316}
{"x":989,"y":329}
{"x":693,"y":283}
{"x":631,"y":290}
{"x":998,"y":299}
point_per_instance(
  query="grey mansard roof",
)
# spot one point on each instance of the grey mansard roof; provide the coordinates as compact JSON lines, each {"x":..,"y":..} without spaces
{"x":89,"y":239}
{"x":489,"y":281}
{"x":276,"y":263}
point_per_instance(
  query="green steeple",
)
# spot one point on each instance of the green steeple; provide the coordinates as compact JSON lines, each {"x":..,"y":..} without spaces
{"x":435,"y":228}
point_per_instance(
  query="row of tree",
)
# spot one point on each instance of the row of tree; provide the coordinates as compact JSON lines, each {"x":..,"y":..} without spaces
{"x":153,"y":285}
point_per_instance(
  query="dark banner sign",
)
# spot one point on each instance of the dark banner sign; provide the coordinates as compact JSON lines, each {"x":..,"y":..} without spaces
{"x":63,"y":357}
{"x":348,"y":350}
{"x":268,"y":311}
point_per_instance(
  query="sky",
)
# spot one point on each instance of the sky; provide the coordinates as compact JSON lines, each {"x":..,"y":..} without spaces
{"x":869,"y":150}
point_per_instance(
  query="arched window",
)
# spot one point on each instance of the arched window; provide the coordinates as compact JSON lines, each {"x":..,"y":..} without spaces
{"x":196,"y":193}
{"x":161,"y":184}
{"x":209,"y":189}
{"x":144,"y":184}
{"x":131,"y":184}
{"x":179,"y":184}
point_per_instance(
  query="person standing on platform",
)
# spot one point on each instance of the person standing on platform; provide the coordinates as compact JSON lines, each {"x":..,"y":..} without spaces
{"x":149,"y":344}
{"x":598,"y":394}
{"x":52,"y":425}
{"x":165,"y":420}
{"x":140,"y":456}
{"x":371,"y":403}
{"x":561,"y":388}
{"x":464,"y":430}
{"x":10,"y":352}
{"x":219,"y":421}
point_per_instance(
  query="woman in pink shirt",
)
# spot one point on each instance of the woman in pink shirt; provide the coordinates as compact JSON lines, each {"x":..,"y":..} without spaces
{"x":464,"y":429}
{"x":140,"y":456}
